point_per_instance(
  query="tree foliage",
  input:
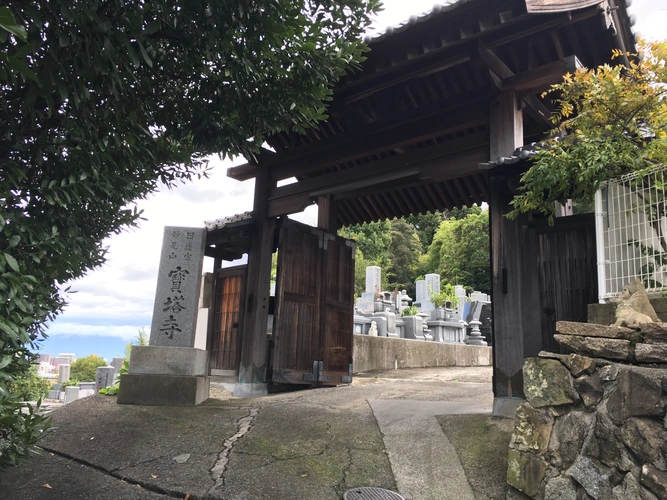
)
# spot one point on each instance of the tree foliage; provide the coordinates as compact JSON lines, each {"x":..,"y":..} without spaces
{"x":610,"y":120}
{"x":85,"y":369}
{"x":425,"y":225}
{"x":29,"y":386}
{"x":460,"y":252}
{"x":404,"y":254}
{"x":101,"y":102}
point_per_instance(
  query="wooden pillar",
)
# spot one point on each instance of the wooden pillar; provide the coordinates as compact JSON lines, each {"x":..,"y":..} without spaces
{"x":515,"y":294}
{"x":254,"y":346}
{"x":327,"y":214}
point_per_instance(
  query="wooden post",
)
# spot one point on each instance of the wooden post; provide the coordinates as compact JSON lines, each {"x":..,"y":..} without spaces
{"x":327,"y":214}
{"x":515,"y":297}
{"x":254,"y":348}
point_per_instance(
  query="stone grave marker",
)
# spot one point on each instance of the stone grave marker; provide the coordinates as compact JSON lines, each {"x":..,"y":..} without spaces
{"x":63,"y":373}
{"x":177,"y":294}
{"x":117,"y":364}
{"x":105,"y":377}
{"x":71,"y":394}
{"x":373,"y":279}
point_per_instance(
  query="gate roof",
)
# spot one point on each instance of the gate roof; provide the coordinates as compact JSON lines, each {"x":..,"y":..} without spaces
{"x":406,"y":133}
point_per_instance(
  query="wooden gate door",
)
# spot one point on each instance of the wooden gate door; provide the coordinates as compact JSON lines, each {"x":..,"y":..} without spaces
{"x":567,"y":272}
{"x":313,"y":324}
{"x":224,"y":339}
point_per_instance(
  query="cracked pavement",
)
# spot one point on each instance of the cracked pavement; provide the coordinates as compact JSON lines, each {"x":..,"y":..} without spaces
{"x":309,"y":444}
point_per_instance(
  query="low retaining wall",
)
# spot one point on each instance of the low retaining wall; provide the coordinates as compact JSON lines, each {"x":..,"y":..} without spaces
{"x":382,"y":353}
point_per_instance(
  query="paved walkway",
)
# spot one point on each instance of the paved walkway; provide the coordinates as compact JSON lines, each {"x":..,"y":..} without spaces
{"x":303,"y":445}
{"x":424,"y":462}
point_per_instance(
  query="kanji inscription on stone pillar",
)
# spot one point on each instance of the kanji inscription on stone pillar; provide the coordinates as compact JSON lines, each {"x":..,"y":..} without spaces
{"x":178,"y":286}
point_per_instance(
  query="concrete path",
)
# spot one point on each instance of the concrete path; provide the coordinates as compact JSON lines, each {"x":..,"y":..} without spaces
{"x":303,"y":445}
{"x":424,"y":462}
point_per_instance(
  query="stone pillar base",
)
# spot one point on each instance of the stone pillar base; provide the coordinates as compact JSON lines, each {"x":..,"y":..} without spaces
{"x":250,"y":390}
{"x":162,"y":390}
{"x":506,"y":407}
{"x":165,"y":376}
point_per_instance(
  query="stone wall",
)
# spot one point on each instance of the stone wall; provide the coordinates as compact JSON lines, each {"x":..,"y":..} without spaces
{"x":383,"y":353}
{"x":594,"y":423}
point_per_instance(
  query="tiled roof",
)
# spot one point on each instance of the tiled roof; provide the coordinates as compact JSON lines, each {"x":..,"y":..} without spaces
{"x":521,"y":154}
{"x":228,"y":222}
{"x":412,"y":20}
{"x":436,"y":10}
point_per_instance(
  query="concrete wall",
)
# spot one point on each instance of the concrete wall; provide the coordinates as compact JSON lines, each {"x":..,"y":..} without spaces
{"x":381,"y":353}
{"x":605,"y":314}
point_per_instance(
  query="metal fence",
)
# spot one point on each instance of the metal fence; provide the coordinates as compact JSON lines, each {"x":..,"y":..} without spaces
{"x":631,"y":231}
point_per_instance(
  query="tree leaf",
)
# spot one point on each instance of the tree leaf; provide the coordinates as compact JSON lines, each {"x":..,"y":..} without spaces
{"x":8,"y":23}
{"x":12,"y":262}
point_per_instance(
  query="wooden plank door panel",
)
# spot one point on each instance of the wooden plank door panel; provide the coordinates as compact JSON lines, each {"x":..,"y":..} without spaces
{"x":225,"y":338}
{"x":338,"y":309}
{"x":296,"y":341}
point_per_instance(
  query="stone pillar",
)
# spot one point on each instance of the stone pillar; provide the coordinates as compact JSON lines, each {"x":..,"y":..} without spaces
{"x":71,"y":394}
{"x":117,"y":364}
{"x":104,"y":377}
{"x":168,"y":371}
{"x":373,"y":279}
{"x":63,"y":373}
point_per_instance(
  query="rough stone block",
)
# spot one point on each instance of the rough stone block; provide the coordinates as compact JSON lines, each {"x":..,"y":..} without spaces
{"x":532,"y":429}
{"x":593,"y":330}
{"x":560,"y":488}
{"x":590,"y":389}
{"x":655,"y":480}
{"x":526,"y":471}
{"x":568,"y":436}
{"x":645,"y":438}
{"x":651,"y":353}
{"x":581,"y":364}
{"x":546,"y":382}
{"x":609,"y":449}
{"x":162,"y":390}
{"x":598,"y":347}
{"x":654,"y":333}
{"x":638,"y":394}
{"x":592,"y":476}
{"x":628,"y":489}
{"x":161,"y":360}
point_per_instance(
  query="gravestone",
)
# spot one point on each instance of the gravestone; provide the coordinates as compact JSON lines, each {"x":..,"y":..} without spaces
{"x":57,"y":361}
{"x":432,"y":284}
{"x":422,"y":291}
{"x":178,"y":286}
{"x":69,"y":355}
{"x":63,"y":373}
{"x":104,"y":378}
{"x":117,"y":364}
{"x":71,"y":394}
{"x":373,"y":279}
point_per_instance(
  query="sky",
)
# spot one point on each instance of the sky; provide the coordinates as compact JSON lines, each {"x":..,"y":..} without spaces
{"x":113,"y":302}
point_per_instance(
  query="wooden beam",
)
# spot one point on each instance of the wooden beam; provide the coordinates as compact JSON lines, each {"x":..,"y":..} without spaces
{"x":538,"y":111}
{"x":541,"y":78}
{"x":327,"y":214}
{"x":506,"y":125}
{"x":252,"y":367}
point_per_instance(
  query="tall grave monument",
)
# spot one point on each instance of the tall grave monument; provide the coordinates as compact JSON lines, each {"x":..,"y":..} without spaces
{"x":170,"y":371}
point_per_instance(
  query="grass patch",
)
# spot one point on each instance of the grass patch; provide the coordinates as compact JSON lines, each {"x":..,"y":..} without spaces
{"x":482,"y":443}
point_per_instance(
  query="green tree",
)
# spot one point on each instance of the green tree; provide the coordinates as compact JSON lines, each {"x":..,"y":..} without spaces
{"x":404,"y":254}
{"x":426,"y":225}
{"x":140,"y":339}
{"x":29,"y":386}
{"x":373,"y":238}
{"x":460,"y":252}
{"x":609,"y":121}
{"x":104,"y":101}
{"x":85,"y":369}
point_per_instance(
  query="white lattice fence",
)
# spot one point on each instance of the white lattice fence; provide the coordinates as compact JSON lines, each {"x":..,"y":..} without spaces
{"x":631,"y":226}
